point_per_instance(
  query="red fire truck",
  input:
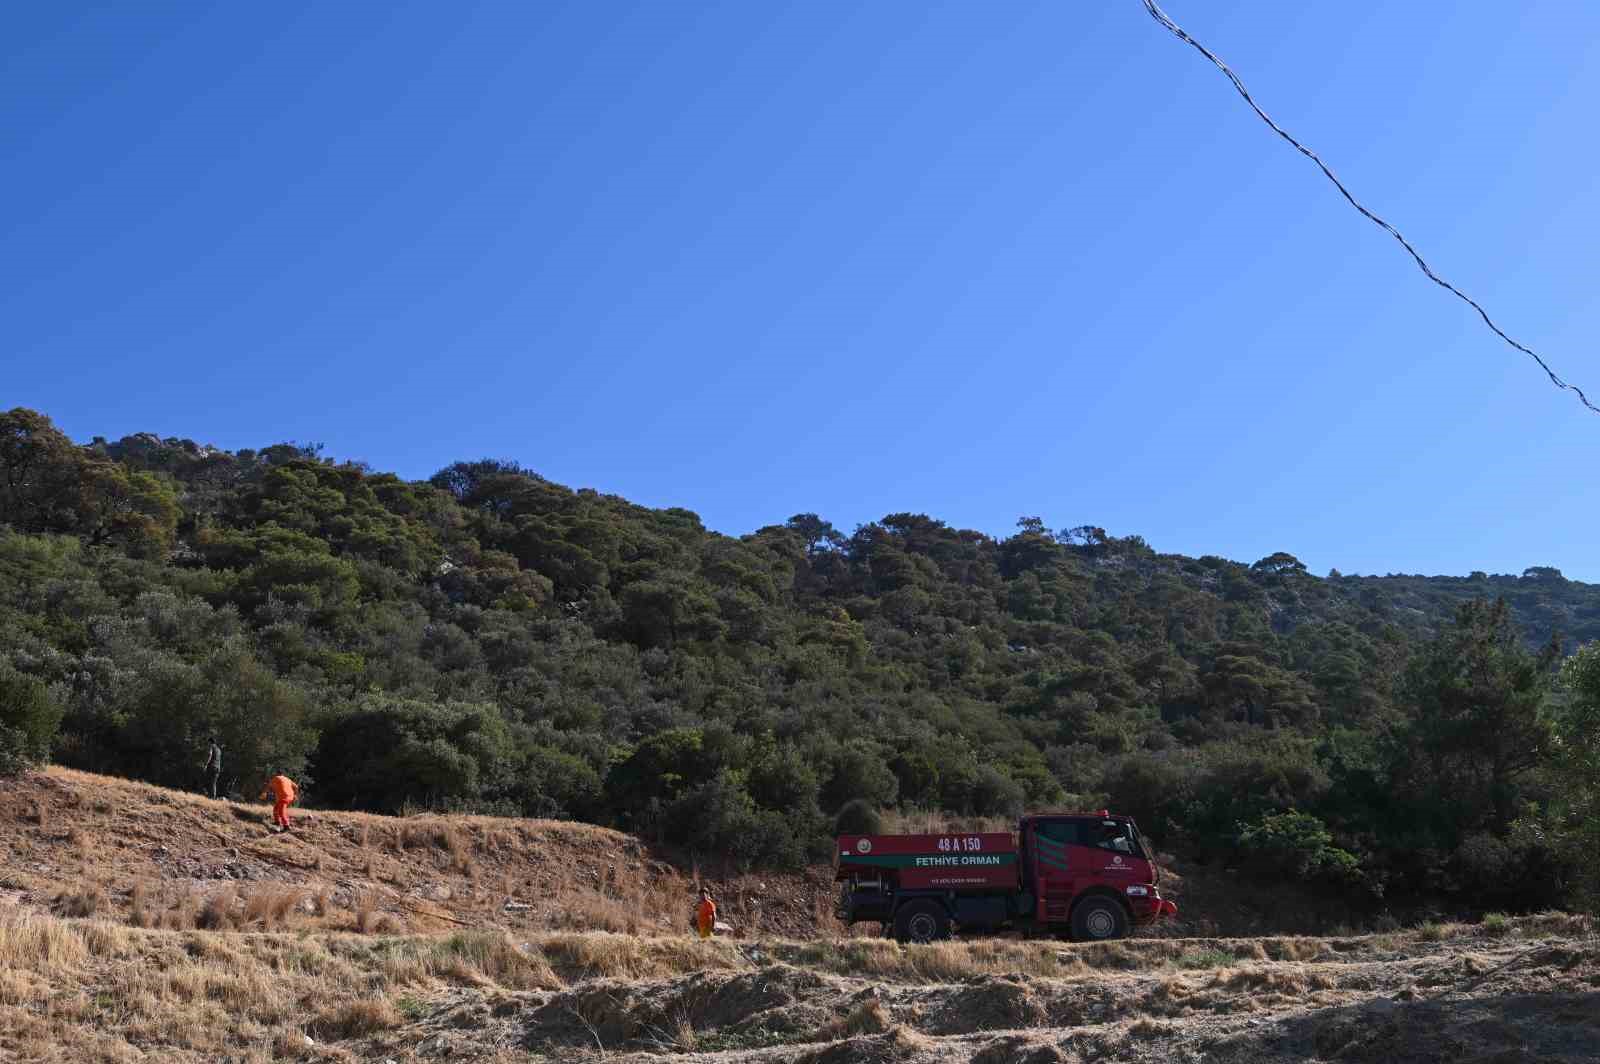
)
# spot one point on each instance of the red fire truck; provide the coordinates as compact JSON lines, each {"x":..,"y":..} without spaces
{"x":1086,"y":876}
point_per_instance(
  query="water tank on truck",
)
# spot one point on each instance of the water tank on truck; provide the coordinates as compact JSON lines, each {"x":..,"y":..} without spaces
{"x":1085,"y":876}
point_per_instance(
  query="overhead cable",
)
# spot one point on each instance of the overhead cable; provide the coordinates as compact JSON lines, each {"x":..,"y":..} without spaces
{"x":1178,"y":31}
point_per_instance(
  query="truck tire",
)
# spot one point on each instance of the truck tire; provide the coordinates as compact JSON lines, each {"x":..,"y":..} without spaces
{"x":1097,"y":918}
{"x":921,"y":921}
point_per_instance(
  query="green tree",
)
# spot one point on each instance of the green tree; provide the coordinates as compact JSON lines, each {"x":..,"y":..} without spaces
{"x":38,"y":485}
{"x":657,"y":772}
{"x":136,"y":511}
{"x":1479,"y":721}
{"x":1574,"y":816}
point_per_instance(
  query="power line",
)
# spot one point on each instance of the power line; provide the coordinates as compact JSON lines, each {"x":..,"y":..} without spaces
{"x":1177,"y":31}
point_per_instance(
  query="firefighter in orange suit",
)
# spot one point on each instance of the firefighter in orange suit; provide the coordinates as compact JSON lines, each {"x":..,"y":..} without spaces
{"x":283,"y":793}
{"x":706,"y":915}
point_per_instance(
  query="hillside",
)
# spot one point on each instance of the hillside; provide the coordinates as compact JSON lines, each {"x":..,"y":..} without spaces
{"x":85,"y":845}
{"x":138,"y":923}
{"x":488,"y":641}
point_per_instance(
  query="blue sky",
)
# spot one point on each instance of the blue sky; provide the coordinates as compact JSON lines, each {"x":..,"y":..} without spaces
{"x":972,"y":260}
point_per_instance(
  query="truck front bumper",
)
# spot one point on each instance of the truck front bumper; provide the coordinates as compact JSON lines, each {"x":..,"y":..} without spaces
{"x":1150,"y":908}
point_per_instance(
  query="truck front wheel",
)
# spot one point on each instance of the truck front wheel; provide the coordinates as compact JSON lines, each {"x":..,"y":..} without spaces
{"x":921,"y":921}
{"x":1096,"y":919}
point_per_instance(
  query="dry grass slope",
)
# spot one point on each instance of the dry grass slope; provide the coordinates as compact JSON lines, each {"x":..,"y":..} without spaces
{"x":81,"y":845}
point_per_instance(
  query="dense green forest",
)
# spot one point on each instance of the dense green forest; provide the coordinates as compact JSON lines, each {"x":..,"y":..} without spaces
{"x":490,"y":640}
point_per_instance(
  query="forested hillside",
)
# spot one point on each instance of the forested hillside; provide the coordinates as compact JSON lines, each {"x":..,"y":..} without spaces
{"x":490,"y":640}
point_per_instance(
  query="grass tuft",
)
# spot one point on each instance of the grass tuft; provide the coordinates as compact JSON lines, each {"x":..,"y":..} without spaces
{"x":79,"y":904}
{"x":356,"y":1019}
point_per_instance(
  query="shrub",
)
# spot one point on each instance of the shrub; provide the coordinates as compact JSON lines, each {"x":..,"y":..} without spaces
{"x":1299,"y":846}
{"x":858,"y":818}
{"x":393,"y":750}
{"x":859,"y":772}
{"x":996,"y":794}
{"x":29,"y":719}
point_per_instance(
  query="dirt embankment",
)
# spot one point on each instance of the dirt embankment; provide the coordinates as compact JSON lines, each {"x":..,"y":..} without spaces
{"x":80,"y":844}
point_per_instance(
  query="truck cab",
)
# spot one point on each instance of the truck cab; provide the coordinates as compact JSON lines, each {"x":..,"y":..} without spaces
{"x":1085,"y":876}
{"x":1090,"y":875}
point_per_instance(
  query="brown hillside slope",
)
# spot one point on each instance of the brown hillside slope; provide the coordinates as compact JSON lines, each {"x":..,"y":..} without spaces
{"x":77,"y":844}
{"x":72,"y":842}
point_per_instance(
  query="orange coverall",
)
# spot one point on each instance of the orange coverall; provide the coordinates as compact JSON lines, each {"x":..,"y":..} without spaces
{"x":707,"y":916}
{"x":283,"y":795}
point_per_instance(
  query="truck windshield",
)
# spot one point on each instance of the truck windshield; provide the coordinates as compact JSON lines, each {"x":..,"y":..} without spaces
{"x":1116,"y":835}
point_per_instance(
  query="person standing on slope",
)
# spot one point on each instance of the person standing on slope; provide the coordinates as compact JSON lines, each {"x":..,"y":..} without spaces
{"x":706,"y":914}
{"x":214,"y":764}
{"x":283,"y":793}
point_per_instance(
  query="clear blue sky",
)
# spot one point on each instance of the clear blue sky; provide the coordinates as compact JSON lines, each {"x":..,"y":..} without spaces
{"x":974,"y":260}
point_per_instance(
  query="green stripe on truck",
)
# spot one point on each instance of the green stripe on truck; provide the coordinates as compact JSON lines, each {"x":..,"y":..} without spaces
{"x":912,"y":860}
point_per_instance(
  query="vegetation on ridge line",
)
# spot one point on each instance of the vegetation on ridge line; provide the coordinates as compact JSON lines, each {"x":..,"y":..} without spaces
{"x":490,"y":640}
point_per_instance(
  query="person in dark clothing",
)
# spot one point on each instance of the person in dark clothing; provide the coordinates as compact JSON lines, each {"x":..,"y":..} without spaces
{"x":214,"y":764}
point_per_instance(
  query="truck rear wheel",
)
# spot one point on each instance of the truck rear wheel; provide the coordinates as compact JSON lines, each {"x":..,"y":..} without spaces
{"x":1095,"y":919}
{"x":921,"y":921}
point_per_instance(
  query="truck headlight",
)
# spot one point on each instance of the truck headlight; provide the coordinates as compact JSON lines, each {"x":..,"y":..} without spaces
{"x":1139,"y":891}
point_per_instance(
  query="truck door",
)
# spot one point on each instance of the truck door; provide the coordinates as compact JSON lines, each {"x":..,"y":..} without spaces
{"x":1115,"y":855}
{"x":1056,"y":868}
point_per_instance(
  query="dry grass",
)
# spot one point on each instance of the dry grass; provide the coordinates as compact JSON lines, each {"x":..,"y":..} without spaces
{"x":956,"y":961}
{"x":367,"y":916}
{"x":185,"y":915}
{"x":1437,"y":932}
{"x":869,"y":1017}
{"x":90,"y":990}
{"x":919,"y":821}
{"x":79,"y":904}
{"x":86,"y":990}
{"x":356,"y":1019}
{"x":611,"y":956}
{"x":496,"y":960}
{"x":270,"y":907}
{"x":139,"y":906}
{"x":217,"y":912}
{"x":460,"y":851}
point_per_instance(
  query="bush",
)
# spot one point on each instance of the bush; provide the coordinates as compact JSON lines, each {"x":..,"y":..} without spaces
{"x":720,"y":817}
{"x":554,"y":783}
{"x":29,"y":719}
{"x":996,"y":794}
{"x":858,"y":818}
{"x":392,"y":752}
{"x":859,"y":772}
{"x":1299,"y":846}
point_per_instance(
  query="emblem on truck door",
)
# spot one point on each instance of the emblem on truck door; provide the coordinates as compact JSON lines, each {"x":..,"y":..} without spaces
{"x":864,"y":846}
